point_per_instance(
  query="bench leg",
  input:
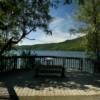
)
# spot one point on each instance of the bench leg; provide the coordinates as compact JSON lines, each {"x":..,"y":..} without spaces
{"x":36,"y":72}
{"x":63,"y":72}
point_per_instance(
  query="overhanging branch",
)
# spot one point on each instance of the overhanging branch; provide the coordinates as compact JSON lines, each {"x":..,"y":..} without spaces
{"x":11,"y":41}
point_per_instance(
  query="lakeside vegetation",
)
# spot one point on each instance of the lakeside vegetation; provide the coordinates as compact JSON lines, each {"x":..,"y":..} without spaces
{"x":73,"y":45}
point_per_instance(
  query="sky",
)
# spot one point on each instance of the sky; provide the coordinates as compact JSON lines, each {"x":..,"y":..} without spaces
{"x":62,"y":22}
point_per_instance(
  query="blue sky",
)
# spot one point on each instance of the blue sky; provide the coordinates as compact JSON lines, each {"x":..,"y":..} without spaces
{"x":60,"y":26}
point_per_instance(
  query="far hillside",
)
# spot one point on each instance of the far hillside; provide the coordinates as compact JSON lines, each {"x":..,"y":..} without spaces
{"x":72,"y":45}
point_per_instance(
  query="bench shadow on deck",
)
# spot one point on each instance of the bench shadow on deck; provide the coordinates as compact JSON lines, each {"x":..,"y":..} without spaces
{"x":73,"y":80}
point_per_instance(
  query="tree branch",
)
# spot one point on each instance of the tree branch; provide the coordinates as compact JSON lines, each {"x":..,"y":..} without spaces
{"x":11,"y":41}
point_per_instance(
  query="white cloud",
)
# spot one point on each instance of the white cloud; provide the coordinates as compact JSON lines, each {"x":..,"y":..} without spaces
{"x":41,"y":38}
{"x":57,"y":21}
{"x":56,"y":38}
{"x":59,"y":34}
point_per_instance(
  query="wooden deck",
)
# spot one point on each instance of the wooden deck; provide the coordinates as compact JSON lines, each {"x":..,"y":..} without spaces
{"x":23,"y":84}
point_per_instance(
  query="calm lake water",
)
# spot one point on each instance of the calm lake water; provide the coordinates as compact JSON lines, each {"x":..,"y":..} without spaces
{"x":55,"y":53}
{"x":62,"y":53}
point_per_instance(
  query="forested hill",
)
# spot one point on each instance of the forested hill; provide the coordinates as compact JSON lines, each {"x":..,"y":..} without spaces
{"x":73,"y":45}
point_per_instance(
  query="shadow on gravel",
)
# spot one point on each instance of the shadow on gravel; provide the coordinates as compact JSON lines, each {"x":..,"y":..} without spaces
{"x":73,"y":80}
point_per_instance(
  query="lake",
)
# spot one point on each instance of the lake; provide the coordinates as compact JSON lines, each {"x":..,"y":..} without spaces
{"x":78,"y":54}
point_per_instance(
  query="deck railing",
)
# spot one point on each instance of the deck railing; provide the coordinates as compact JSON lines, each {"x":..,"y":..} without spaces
{"x":11,"y":63}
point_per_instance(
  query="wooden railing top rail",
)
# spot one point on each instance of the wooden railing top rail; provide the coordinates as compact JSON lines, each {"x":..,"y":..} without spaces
{"x":9,"y":57}
{"x":38,"y":57}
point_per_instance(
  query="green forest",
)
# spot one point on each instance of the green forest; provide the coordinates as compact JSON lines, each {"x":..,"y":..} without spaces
{"x":73,"y":45}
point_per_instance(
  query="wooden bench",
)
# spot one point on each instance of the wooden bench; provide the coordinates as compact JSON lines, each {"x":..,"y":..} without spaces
{"x":49,"y":70}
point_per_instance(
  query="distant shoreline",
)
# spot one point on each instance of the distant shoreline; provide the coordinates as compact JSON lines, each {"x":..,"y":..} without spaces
{"x":69,"y":45}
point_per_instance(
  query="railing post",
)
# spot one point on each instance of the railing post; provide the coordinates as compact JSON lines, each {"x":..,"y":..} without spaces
{"x":93,"y":70}
{"x":15,"y":63}
{"x":63,"y":68}
{"x":0,"y":64}
{"x":81,"y":65}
